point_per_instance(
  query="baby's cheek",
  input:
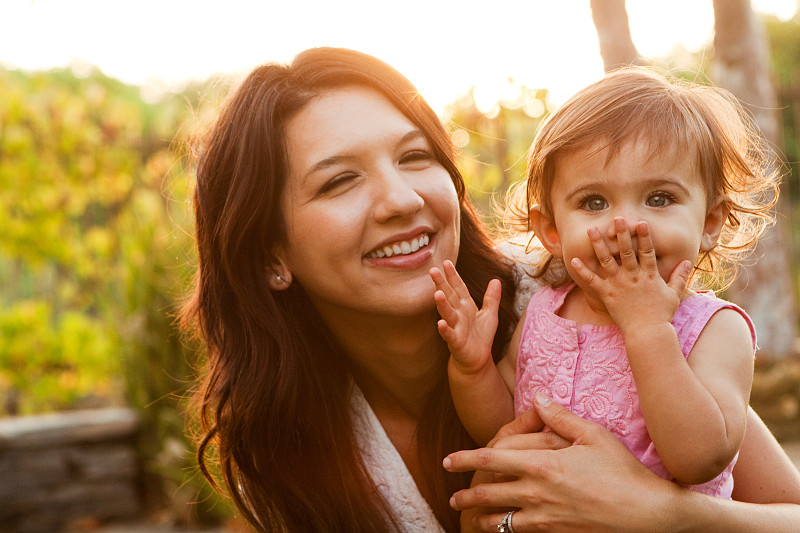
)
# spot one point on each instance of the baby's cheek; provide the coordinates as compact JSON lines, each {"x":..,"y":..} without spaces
{"x":665,"y":270}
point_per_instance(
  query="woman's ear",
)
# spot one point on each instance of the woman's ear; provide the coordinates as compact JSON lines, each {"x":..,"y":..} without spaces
{"x":545,"y":229}
{"x":715,"y":221}
{"x":280,"y":277}
{"x":279,"y":282}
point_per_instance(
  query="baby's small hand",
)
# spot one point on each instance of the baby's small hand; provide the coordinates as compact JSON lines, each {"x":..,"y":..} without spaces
{"x":469,"y":332}
{"x":633,"y":291}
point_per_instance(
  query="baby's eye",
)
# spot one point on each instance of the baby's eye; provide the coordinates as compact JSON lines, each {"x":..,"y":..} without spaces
{"x":594,"y":203}
{"x":659,"y":200}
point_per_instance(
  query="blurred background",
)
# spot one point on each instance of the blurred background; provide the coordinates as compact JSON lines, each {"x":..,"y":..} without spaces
{"x":100,"y":103}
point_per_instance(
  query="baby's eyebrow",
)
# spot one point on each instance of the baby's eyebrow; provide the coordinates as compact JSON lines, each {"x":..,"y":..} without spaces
{"x":599,"y":187}
{"x":594,"y":187}
{"x":661,"y":181}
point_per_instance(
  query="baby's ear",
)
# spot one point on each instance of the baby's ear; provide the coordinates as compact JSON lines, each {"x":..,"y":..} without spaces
{"x":545,"y":229}
{"x":715,"y":221}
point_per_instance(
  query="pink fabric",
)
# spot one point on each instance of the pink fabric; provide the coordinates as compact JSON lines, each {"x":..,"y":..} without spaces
{"x":587,"y":371}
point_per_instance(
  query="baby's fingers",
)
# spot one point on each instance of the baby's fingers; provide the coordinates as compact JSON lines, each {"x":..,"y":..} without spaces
{"x":627,"y":255}
{"x":459,"y":288}
{"x":585,"y":273}
{"x":443,"y":285}
{"x":680,"y":277}
{"x":448,"y":333}
{"x":607,"y":261}
{"x":647,"y":252}
{"x":446,"y":310}
{"x":491,"y":299}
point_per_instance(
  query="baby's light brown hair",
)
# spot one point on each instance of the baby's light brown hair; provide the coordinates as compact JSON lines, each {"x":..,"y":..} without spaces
{"x":670,"y":115}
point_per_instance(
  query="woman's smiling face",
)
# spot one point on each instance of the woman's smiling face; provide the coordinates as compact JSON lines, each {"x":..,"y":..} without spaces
{"x":369,"y":209}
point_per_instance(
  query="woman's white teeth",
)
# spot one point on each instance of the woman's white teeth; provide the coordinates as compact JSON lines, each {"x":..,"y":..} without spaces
{"x":401,"y":248}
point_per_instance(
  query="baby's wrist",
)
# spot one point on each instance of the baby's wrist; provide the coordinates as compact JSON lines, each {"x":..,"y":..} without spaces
{"x":649,"y":332}
{"x":456,"y":368}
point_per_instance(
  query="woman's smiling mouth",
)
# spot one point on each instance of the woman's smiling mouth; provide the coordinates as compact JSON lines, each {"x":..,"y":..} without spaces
{"x":401,"y":247}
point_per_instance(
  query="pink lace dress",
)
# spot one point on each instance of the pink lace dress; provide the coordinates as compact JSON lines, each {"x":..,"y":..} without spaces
{"x":586,"y":370}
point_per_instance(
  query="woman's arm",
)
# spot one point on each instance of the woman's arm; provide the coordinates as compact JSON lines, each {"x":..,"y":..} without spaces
{"x":595,"y":484}
{"x":764,"y":473}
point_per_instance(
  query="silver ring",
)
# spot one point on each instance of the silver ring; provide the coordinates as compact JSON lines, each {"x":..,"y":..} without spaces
{"x":505,"y":525}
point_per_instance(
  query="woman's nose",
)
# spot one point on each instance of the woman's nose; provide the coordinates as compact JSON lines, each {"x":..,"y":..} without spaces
{"x":395,"y":196}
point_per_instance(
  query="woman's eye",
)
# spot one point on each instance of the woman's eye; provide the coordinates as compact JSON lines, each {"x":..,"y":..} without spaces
{"x":336,"y":182}
{"x":659,"y":200}
{"x":415,"y":156}
{"x":594,"y":203}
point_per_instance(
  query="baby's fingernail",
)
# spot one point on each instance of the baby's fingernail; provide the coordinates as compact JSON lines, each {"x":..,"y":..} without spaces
{"x":447,"y":463}
{"x":453,"y":503}
{"x":543,"y":400}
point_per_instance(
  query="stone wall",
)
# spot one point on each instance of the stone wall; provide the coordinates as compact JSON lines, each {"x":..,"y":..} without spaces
{"x":64,"y":469}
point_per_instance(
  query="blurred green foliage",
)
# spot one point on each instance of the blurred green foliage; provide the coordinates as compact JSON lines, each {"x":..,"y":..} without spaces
{"x":49,"y":359}
{"x":95,"y":256}
{"x":494,"y":142}
{"x":784,"y":37}
{"x":785,"y":48}
{"x":69,"y":163}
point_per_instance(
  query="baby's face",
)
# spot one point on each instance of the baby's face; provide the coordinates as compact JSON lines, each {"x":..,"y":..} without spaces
{"x":665,"y":190}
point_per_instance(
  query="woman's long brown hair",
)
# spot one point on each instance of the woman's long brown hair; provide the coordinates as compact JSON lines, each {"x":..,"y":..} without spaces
{"x":275,"y":400}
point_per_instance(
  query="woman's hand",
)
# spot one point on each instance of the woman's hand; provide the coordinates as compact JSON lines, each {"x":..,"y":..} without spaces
{"x":594,"y":484}
{"x":522,"y":433}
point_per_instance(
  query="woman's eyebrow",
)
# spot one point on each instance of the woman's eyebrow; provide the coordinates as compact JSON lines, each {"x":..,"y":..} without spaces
{"x":412,"y":136}
{"x":328,"y":162}
{"x":339,"y":158}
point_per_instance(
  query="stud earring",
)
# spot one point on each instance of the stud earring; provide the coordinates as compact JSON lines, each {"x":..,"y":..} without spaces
{"x":280,"y":282}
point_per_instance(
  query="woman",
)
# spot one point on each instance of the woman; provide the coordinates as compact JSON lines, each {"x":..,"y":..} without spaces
{"x":325,"y":192}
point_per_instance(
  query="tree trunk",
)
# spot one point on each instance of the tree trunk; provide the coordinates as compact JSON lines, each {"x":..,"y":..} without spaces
{"x":614,"y":34}
{"x":741,"y":64}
